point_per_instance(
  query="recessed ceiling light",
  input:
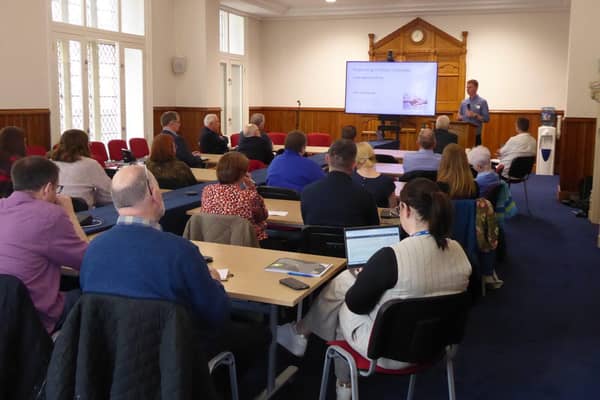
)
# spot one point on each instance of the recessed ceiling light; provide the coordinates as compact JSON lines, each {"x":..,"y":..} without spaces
{"x":330,"y":1}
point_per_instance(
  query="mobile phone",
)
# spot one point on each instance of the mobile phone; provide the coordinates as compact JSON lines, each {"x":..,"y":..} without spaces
{"x":208,"y":259}
{"x":294,"y":283}
{"x":191,"y":193}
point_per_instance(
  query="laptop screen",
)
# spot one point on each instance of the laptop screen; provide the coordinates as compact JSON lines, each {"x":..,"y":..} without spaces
{"x":362,"y":243}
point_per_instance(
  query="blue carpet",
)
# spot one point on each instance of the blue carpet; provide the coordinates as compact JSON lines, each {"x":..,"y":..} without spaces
{"x":535,"y":338}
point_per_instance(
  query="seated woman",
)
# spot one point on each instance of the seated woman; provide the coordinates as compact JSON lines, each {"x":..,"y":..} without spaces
{"x":168,"y":170}
{"x":380,"y":186}
{"x":79,"y":175}
{"x":427,"y":263}
{"x":12,"y":147}
{"x":454,"y":174}
{"x":229,"y":197}
{"x":479,"y":158}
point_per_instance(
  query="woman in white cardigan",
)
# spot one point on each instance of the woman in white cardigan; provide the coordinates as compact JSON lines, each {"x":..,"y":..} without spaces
{"x":80,"y":176}
{"x":427,"y":263}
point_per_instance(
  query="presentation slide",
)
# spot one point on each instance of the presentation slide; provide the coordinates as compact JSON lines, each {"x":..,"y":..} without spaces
{"x":391,"y":88}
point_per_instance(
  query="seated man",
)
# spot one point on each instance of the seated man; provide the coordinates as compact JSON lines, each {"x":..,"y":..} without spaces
{"x":349,"y":132}
{"x":424,"y":159}
{"x":136,"y":258}
{"x":255,"y":147}
{"x":258,"y":119}
{"x":443,"y":137}
{"x":170,"y":125}
{"x":520,"y":145}
{"x":212,"y":141}
{"x":487,"y":178}
{"x":40,"y":233}
{"x":291,"y":170}
{"x":337,"y":200}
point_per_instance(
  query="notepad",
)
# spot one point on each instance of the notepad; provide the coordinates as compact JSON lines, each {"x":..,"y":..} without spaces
{"x":278,"y":213}
{"x":298,"y":267}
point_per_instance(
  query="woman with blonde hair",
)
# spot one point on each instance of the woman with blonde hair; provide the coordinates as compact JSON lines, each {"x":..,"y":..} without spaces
{"x":454,"y":174}
{"x":380,"y":186}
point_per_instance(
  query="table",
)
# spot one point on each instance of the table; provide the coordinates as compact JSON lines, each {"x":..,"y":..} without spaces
{"x":399,"y":187}
{"x":211,"y":159}
{"x":309,"y":149}
{"x":250,"y":282}
{"x":390,"y":169}
{"x":397,"y":154}
{"x":204,"y":174}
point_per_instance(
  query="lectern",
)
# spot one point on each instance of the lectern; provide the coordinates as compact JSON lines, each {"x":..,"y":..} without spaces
{"x":465,"y":131}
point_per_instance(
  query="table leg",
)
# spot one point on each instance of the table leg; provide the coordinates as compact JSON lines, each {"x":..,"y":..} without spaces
{"x":275,"y":383}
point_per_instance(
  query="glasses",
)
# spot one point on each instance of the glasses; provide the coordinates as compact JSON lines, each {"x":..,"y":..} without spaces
{"x":147,"y":180}
{"x":59,"y":189}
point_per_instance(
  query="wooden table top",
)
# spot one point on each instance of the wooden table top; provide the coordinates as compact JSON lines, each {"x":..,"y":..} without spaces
{"x":204,"y":175}
{"x":397,"y":154}
{"x":211,"y":159}
{"x":390,"y":169}
{"x":251,"y":282}
{"x":309,"y":149}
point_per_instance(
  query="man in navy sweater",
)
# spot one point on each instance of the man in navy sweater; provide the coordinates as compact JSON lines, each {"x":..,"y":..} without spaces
{"x":137,"y":259}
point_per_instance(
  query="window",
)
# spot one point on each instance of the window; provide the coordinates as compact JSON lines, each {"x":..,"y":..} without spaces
{"x":231,"y":33}
{"x":100,"y":81}
{"x":101,"y":14}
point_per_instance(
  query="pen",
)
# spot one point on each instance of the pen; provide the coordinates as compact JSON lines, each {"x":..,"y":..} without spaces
{"x":300,"y":274}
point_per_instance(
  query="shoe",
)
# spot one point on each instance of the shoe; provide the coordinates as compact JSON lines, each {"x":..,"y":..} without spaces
{"x":293,"y":342}
{"x":343,"y":391}
{"x":493,"y":281}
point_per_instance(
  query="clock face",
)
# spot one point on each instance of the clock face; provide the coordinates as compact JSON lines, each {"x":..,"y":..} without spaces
{"x":417,"y":36}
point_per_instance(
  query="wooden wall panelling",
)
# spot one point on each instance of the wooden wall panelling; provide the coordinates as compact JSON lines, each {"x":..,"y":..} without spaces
{"x":35,"y":122}
{"x":576,"y":152}
{"x":192,"y":121}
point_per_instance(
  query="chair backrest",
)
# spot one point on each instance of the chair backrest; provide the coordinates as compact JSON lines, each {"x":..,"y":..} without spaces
{"x":25,"y":346}
{"x":418,"y":330}
{"x":324,"y":241}
{"x":274,"y":192}
{"x":36,"y":151}
{"x":277,"y":137}
{"x":408,"y":176}
{"x":114,"y":149}
{"x":318,"y":139}
{"x":492,"y":194}
{"x":521,"y":167}
{"x":79,"y":204}
{"x":385,"y":158}
{"x":98,"y":151}
{"x":139,"y":147}
{"x":120,"y":347}
{"x":256,"y":164}
{"x":235,"y":139}
{"x":226,"y":229}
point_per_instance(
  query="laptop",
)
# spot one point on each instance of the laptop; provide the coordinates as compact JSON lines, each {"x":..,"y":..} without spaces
{"x":362,"y":242}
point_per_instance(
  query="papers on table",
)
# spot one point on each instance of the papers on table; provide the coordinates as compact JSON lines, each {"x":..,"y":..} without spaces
{"x":292,"y":266}
{"x":223,"y":273}
{"x":273,"y":213}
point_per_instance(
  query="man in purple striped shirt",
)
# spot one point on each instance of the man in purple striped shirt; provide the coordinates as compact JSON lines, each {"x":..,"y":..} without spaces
{"x":39,"y":233}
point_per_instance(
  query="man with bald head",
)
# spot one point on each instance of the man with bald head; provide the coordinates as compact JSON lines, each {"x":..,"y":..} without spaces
{"x":424,"y":159}
{"x":137,"y":259}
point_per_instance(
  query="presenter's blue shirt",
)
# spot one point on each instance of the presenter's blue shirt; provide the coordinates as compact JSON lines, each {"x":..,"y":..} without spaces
{"x":479,"y":106}
{"x":291,"y":170}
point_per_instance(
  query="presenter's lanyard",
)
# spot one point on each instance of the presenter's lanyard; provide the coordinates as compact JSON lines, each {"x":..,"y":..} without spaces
{"x":420,"y":233}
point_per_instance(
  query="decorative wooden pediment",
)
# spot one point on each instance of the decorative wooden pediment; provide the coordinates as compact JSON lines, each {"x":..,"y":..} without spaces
{"x":418,"y":40}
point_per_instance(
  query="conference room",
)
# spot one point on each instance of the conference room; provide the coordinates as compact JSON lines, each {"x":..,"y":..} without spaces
{"x":113,"y":68}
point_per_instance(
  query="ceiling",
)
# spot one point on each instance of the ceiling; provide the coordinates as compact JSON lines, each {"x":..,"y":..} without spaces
{"x":281,"y":9}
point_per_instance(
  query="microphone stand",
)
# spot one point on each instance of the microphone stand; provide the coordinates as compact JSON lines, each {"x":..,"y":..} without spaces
{"x":298,"y":114}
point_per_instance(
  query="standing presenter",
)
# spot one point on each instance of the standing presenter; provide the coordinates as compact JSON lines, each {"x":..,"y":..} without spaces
{"x":474,"y":109}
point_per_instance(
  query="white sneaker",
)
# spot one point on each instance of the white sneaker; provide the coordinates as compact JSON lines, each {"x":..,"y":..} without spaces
{"x":343,"y":392}
{"x":294,"y":342}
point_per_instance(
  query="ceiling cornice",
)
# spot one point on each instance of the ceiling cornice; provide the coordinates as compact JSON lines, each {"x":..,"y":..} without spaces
{"x":276,"y":10}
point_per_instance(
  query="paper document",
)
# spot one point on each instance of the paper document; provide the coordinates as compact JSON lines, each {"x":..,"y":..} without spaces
{"x":278,"y":213}
{"x":298,"y":267}
{"x":223,"y":273}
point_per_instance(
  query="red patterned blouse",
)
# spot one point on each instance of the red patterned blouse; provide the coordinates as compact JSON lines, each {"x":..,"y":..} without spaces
{"x":233,"y":200}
